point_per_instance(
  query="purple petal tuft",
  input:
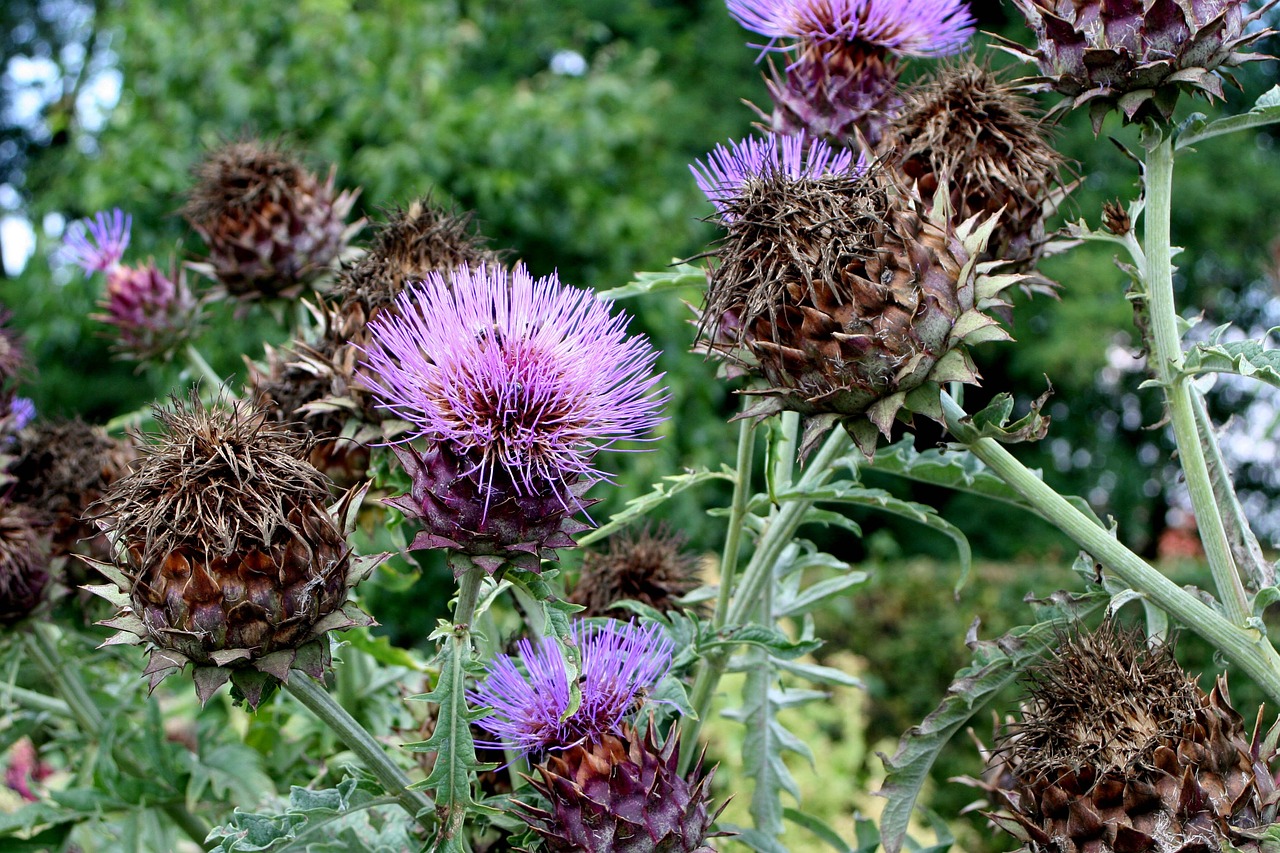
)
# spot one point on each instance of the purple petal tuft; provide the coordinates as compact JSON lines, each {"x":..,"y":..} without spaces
{"x":902,"y":27}
{"x":98,"y":244}
{"x":797,"y":157}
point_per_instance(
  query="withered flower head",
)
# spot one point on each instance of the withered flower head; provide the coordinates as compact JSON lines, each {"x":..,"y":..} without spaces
{"x":24,"y":565}
{"x":848,"y":300}
{"x":1136,"y":56}
{"x":652,"y":568}
{"x":969,"y":132}
{"x":270,"y":225}
{"x":225,"y":555}
{"x":61,"y":468}
{"x":415,"y":241}
{"x":1119,"y":750}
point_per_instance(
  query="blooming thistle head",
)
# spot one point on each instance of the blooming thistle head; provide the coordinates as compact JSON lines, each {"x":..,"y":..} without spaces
{"x":620,"y":661}
{"x":844,"y":295}
{"x":97,"y":244}
{"x":844,"y":74}
{"x":1136,"y":56}
{"x":514,"y":384}
{"x":723,"y":177}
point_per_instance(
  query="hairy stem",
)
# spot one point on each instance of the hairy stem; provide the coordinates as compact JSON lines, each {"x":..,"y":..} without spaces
{"x":317,"y":700}
{"x":1244,"y":647}
{"x":1165,"y":346}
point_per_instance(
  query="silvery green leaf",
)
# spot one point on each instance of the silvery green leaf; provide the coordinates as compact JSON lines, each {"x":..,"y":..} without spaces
{"x":678,"y":276}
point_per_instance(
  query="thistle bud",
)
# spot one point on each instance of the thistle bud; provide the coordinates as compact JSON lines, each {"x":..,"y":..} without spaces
{"x":513,"y":385}
{"x":1119,"y":750}
{"x":843,"y":80}
{"x":153,"y":313}
{"x":849,"y":301}
{"x":226,"y":556}
{"x":1135,"y":56}
{"x":271,"y":226}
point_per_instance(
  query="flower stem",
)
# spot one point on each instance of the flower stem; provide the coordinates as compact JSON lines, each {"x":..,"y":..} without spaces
{"x":394,"y":781}
{"x":66,"y":679}
{"x":1165,"y":346}
{"x":778,"y":532}
{"x":737,"y":512}
{"x":36,"y":701}
{"x":204,"y":369}
{"x":1247,"y":648}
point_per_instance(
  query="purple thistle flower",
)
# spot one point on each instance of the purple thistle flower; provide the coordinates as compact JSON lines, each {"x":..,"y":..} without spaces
{"x":527,"y":376}
{"x":797,"y":157}
{"x":98,"y":244}
{"x":153,"y":312}
{"x":619,"y":660}
{"x":902,"y":27}
{"x":22,"y":411}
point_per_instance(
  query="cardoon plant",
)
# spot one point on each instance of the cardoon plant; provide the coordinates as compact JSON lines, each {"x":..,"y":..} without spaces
{"x":513,"y":385}
{"x":844,"y":57}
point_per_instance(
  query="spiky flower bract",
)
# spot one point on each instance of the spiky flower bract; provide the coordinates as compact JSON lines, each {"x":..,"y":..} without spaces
{"x":968,"y":131}
{"x":514,"y":384}
{"x":97,"y":244}
{"x":226,"y":557}
{"x":271,"y":226}
{"x":1136,"y":56}
{"x":650,"y":567}
{"x":845,"y":58}
{"x":619,"y":661}
{"x":24,"y":564}
{"x":1120,"y":750}
{"x":848,"y":298}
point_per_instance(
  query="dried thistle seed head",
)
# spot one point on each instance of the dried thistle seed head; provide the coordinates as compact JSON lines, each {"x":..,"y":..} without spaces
{"x":841,"y":78}
{"x":969,"y":132}
{"x":1135,"y":56}
{"x":650,"y":567}
{"x":848,"y":300}
{"x":24,"y":564}
{"x":225,"y":551}
{"x":415,"y":241}
{"x":61,"y":468}
{"x":1119,"y":750}
{"x":271,"y":226}
{"x":622,"y":792}
{"x":1115,"y":218}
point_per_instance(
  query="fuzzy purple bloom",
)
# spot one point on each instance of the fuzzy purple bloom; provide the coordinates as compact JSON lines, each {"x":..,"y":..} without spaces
{"x":98,"y":244}
{"x":797,"y":157}
{"x":619,"y":660}
{"x":22,"y":411}
{"x":153,"y":312}
{"x":526,"y":378}
{"x":901,"y":27}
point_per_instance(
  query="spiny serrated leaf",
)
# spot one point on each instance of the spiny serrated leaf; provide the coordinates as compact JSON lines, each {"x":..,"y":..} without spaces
{"x":1266,"y":110}
{"x":850,"y":492}
{"x":762,"y":751}
{"x":663,"y":491}
{"x":1245,"y":358}
{"x":819,"y":674}
{"x":995,"y":665}
{"x":680,"y":275}
{"x":228,"y":771}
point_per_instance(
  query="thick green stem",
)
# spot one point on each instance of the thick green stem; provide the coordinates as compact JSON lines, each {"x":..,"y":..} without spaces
{"x":778,"y":532}
{"x":66,"y":680}
{"x":737,"y":512}
{"x":1165,"y":345}
{"x":34,"y":701}
{"x":1244,"y":647}
{"x":394,"y":781}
